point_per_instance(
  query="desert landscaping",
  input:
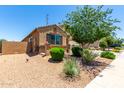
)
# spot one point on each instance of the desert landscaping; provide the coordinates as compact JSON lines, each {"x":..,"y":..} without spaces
{"x":71,"y":54}
{"x":16,"y":71}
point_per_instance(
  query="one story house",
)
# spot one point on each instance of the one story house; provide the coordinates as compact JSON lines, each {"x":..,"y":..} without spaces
{"x":41,"y":39}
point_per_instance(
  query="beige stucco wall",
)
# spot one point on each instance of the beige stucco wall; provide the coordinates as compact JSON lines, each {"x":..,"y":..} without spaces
{"x":64,"y":41}
{"x":14,"y":47}
{"x":42,"y":36}
{"x":35,"y":37}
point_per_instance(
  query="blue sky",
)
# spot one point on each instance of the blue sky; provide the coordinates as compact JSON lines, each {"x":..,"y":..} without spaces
{"x":17,"y":21}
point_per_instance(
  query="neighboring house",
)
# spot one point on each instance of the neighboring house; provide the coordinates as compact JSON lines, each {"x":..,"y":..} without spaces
{"x":41,"y":39}
{"x":94,"y":45}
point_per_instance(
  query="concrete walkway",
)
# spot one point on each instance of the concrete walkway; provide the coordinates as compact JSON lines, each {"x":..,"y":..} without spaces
{"x":112,"y":76}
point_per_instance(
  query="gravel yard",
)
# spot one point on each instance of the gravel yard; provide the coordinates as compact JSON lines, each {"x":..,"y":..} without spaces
{"x":38,"y":72}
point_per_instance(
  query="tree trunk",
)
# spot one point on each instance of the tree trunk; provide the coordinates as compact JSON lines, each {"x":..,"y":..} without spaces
{"x":88,"y":45}
{"x":108,"y":48}
{"x":82,"y":45}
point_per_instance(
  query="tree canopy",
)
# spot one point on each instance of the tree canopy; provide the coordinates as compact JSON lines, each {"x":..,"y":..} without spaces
{"x":106,"y":42}
{"x":111,"y":41}
{"x":89,"y":24}
{"x":119,"y":41}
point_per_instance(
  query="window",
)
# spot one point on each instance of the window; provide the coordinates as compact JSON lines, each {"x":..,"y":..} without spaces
{"x":54,"y":39}
{"x":58,"y":39}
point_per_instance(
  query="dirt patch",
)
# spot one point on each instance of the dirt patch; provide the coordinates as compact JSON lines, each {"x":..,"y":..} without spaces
{"x":16,"y":71}
{"x":88,"y":72}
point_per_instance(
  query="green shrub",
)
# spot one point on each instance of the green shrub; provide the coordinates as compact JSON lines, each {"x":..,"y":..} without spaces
{"x":103,"y":44}
{"x":117,"y":48}
{"x":57,"y":53}
{"x":87,"y":56}
{"x":122,"y":44}
{"x":71,"y":68}
{"x":76,"y":51}
{"x":107,"y":54}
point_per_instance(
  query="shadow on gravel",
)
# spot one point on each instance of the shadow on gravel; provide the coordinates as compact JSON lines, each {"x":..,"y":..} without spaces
{"x":52,"y":61}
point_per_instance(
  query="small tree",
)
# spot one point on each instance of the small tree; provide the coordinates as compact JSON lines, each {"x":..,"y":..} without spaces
{"x":119,"y":41}
{"x":110,"y":40}
{"x":103,"y":44}
{"x":87,"y":25}
{"x":106,"y":42}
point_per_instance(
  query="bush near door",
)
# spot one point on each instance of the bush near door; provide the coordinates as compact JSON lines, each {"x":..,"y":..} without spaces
{"x":57,"y":53}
